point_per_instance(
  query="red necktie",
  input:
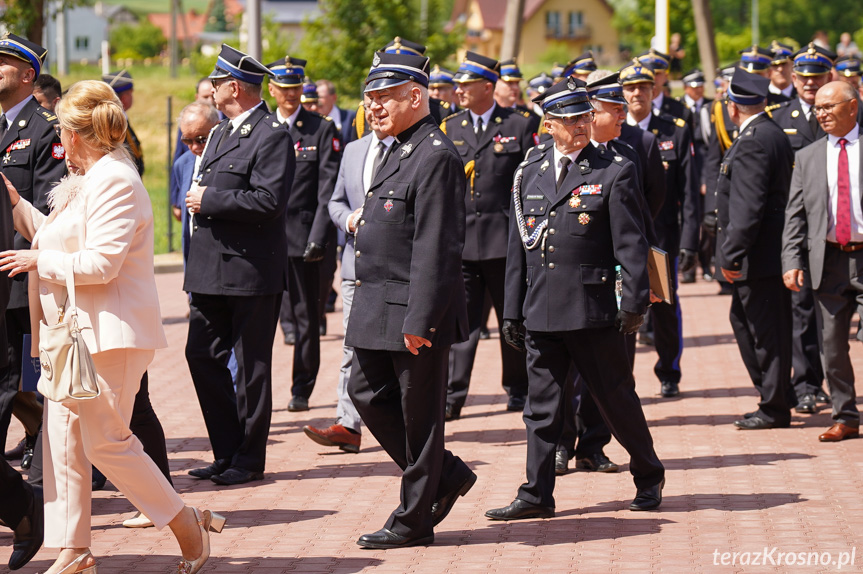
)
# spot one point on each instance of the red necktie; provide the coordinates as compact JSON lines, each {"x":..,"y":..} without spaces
{"x":843,"y":204}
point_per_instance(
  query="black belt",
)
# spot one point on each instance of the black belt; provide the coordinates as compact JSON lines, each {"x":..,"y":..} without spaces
{"x":847,"y":248}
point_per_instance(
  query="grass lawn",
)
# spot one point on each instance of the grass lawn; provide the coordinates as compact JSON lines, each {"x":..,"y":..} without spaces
{"x":148,"y":116}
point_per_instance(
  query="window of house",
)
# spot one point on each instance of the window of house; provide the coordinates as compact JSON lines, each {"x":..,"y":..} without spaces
{"x":576,"y":23}
{"x":82,"y":42}
{"x":552,"y":24}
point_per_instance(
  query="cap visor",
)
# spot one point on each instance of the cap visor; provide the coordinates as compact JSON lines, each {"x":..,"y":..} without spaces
{"x":218,"y":73}
{"x":286,"y":83}
{"x":383,"y":83}
{"x":575,"y":109}
{"x":811,"y":70}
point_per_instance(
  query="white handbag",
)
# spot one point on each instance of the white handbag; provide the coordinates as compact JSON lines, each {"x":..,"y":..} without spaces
{"x":68,"y":372}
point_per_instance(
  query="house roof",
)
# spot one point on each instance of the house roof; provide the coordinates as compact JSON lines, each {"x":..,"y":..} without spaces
{"x":189,"y":25}
{"x":493,"y":16}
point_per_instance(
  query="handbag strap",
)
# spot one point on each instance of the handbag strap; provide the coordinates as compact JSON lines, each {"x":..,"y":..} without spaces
{"x":70,"y":290}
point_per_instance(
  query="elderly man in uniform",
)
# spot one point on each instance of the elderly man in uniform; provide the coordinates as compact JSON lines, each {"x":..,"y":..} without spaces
{"x":491,"y":141}
{"x":409,"y":300}
{"x":780,"y":70}
{"x":124,"y":87}
{"x":576,"y":215}
{"x":659,"y":64}
{"x":33,"y":161}
{"x":308,"y":226}
{"x":751,"y":195}
{"x":811,"y":70}
{"x":236,"y":268}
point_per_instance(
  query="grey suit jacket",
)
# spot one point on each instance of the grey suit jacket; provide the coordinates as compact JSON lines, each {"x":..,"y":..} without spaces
{"x":807,"y":214}
{"x":349,"y":195}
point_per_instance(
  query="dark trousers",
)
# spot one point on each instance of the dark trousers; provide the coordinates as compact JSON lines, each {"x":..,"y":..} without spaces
{"x":807,"y":374}
{"x":839,"y":296}
{"x":238,"y":423}
{"x":600,"y":357}
{"x":761,"y":320}
{"x":327,"y":268}
{"x":17,"y":325}
{"x":401,"y":399}
{"x":15,"y":495}
{"x":584,"y":432}
{"x":301,"y":311}
{"x":668,"y":334}
{"x":479,"y":277}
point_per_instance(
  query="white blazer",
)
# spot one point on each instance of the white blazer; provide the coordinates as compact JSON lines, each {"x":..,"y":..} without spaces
{"x":107,"y":232}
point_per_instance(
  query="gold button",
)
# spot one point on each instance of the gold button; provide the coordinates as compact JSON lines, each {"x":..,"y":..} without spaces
{"x":369,"y":194}
{"x":552,"y":213}
{"x":359,"y":283}
{"x":551,"y":265}
{"x":551,"y":248}
{"x":551,"y":231}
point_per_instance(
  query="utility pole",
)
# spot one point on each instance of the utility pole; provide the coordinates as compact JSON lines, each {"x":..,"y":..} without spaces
{"x":253,"y":28}
{"x":756,"y":33}
{"x":512,"y":29}
{"x":660,"y":39}
{"x":60,"y":40}
{"x":706,"y":42}
{"x":173,"y":47}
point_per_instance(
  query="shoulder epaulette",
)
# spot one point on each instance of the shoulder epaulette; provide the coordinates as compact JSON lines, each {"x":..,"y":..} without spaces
{"x":772,"y":107}
{"x":524,"y":113}
{"x":679,"y":122}
{"x":453,"y":115}
{"x":328,"y":118}
{"x":530,"y":158}
{"x":48,"y":115}
{"x":445,"y":105}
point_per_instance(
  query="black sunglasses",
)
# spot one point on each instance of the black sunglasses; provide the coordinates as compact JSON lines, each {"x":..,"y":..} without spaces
{"x":58,"y":129}
{"x":197,"y":139}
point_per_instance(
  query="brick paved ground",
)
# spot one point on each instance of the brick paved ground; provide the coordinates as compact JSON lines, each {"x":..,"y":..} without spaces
{"x":727,"y":490}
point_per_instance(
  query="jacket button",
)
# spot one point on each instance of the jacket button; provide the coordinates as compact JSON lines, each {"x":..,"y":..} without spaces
{"x":478,"y":213}
{"x":358,"y":283}
{"x":478,"y":194}
{"x":432,"y":330}
{"x":390,"y":192}
{"x":551,"y":248}
{"x":604,"y":278}
{"x":475,"y":174}
{"x":357,"y":254}
{"x":551,"y":265}
{"x":230,"y":166}
{"x":552,"y":213}
{"x":369,"y":194}
{"x":551,"y":231}
{"x":208,"y":170}
{"x":362,"y":221}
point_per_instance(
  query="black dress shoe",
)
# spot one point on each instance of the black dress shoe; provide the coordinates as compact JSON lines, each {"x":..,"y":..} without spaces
{"x":669,"y":389}
{"x":442,"y":506}
{"x":27,"y":455}
{"x":384,"y":539}
{"x":725,"y":289}
{"x":822,"y":398}
{"x":322,"y":330}
{"x":218,"y":467}
{"x":17,"y":451}
{"x":27,"y":538}
{"x":596,"y":463}
{"x":750,"y":415}
{"x":561,"y":462}
{"x":645,"y":338}
{"x":451,"y":413}
{"x":99,"y":479}
{"x":520,"y":510}
{"x":688,"y":276}
{"x":516,"y":404}
{"x":290,"y":338}
{"x":484,"y":335}
{"x":807,"y":404}
{"x":755,"y":422}
{"x":648,"y":498}
{"x":298,"y":404}
{"x":235,"y":475}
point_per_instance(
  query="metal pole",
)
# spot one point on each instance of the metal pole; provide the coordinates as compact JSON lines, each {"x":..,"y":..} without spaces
{"x":61,"y":42}
{"x":173,"y":40}
{"x":512,"y":29}
{"x":660,"y":40}
{"x":755,"y":26}
{"x":253,"y":11}
{"x":170,"y":134}
{"x":424,"y":17}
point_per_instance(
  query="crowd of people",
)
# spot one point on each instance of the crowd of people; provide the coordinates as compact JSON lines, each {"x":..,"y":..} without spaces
{"x":445,"y":195}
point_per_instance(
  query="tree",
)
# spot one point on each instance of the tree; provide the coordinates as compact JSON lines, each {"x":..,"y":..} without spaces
{"x":340,"y":43}
{"x":27,"y":17}
{"x":137,"y":41}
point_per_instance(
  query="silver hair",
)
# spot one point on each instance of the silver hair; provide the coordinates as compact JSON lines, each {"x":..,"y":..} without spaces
{"x":199,"y":109}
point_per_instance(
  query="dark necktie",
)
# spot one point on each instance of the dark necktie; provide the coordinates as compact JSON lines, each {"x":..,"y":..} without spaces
{"x":564,"y":169}
{"x":2,"y":126}
{"x":478,"y":127}
{"x":379,"y":159}
{"x":813,"y":123}
{"x":843,"y":203}
{"x":226,"y":135}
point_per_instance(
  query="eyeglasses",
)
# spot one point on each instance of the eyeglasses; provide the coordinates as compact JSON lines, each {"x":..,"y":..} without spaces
{"x":215,"y":82}
{"x":200,"y":140}
{"x":575,"y":120}
{"x":58,"y":129}
{"x":828,"y":108}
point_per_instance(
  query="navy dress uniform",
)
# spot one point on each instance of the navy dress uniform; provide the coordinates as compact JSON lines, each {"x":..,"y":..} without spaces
{"x":122,"y":82}
{"x":490,"y":156}
{"x":569,"y":228}
{"x":408,"y":282}
{"x":752,"y":193}
{"x":439,"y":109}
{"x":236,"y":275}
{"x":309,"y":229}
{"x":510,"y":72}
{"x":659,"y":64}
{"x":782,"y":54}
{"x":807,"y":372}
{"x":581,"y":66}
{"x":757,"y":60}
{"x":441,"y":78}
{"x":33,"y":159}
{"x":676,"y":225}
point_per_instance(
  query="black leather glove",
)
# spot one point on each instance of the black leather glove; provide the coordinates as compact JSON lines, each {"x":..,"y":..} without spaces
{"x":687,"y":260}
{"x":709,"y":224}
{"x":628,"y":323}
{"x":513,"y":334}
{"x":314,"y":252}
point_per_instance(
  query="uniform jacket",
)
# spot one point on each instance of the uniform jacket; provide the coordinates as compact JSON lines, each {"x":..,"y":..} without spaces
{"x":318,"y":152}
{"x":699,"y":141}
{"x":34,"y":161}
{"x":133,"y":144}
{"x":349,"y":195}
{"x":238,"y":244}
{"x":790,"y":117}
{"x":807,"y":215}
{"x":677,"y":109}
{"x":595,"y":222}
{"x":751,"y":194}
{"x":346,"y":120}
{"x":107,"y":234}
{"x":677,"y":223}
{"x":490,"y":159}
{"x":409,"y":245}
{"x":650,"y":162}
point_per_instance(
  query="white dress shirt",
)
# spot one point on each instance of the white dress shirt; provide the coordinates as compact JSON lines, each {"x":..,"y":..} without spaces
{"x":370,"y":159}
{"x":486,"y":117}
{"x":642,"y":124}
{"x":693,"y":105}
{"x":786,"y":92}
{"x":807,"y":109}
{"x":853,"y":149}
{"x":558,"y":155}
{"x":291,"y":119}
{"x":13,"y":112}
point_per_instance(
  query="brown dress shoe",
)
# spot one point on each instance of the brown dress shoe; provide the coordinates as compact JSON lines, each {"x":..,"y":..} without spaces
{"x":335,"y":435}
{"x":839,"y":432}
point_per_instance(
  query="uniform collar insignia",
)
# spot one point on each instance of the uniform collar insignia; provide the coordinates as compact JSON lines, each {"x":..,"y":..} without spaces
{"x":406,"y":149}
{"x":245,"y":129}
{"x":544,"y":165}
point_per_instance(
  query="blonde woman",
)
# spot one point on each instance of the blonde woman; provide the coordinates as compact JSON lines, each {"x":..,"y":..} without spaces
{"x":102,"y":222}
